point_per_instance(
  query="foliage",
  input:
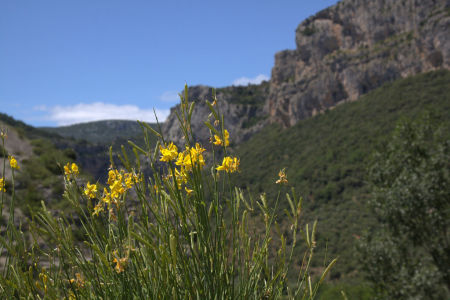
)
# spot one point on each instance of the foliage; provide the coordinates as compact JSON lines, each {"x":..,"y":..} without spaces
{"x":40,"y":178}
{"x":175,"y":243}
{"x":309,"y":30}
{"x":3,"y":152}
{"x":252,"y":94}
{"x":345,"y":291}
{"x":409,"y":257}
{"x":100,"y":132}
{"x":326,"y":158}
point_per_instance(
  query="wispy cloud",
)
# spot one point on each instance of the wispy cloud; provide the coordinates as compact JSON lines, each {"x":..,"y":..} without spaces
{"x":86,"y":112}
{"x":246,"y":81}
{"x":169,"y":96}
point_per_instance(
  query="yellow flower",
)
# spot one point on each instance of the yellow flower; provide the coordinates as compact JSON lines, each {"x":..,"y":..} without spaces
{"x":13,"y":163}
{"x":67,"y":170}
{"x":218,"y":141}
{"x":90,"y":190}
{"x":129,"y":180}
{"x":283,"y":177}
{"x":180,"y":176}
{"x":98,"y":208}
{"x":2,"y":185}
{"x":180,"y":159}
{"x":191,"y":157}
{"x":112,"y":175}
{"x":229,"y":164}
{"x":156,"y":188}
{"x":121,"y":263}
{"x":74,"y":168}
{"x":78,"y":281}
{"x":71,"y":169}
{"x":106,"y":196}
{"x":188,"y":191}
{"x":117,"y":188}
{"x":196,"y":155}
{"x":44,"y":278}
{"x":168,"y":153}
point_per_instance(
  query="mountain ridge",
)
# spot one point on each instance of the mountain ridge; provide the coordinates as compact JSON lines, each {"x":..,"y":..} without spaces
{"x":343,"y":52}
{"x":103,"y":131}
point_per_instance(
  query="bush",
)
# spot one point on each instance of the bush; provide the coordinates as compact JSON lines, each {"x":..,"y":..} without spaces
{"x":182,"y":233}
{"x":409,"y":256}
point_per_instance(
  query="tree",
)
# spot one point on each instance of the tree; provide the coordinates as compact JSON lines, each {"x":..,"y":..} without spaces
{"x":409,"y":256}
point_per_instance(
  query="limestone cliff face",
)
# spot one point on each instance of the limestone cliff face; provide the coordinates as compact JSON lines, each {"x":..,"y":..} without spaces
{"x":342,"y":52}
{"x":353,"y":47}
{"x":243,"y":109}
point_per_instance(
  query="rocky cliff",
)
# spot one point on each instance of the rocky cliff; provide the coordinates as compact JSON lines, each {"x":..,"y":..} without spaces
{"x":243,"y":109}
{"x":342,"y":52}
{"x":353,"y":47}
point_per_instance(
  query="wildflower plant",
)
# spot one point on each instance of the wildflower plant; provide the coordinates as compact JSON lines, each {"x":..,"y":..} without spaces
{"x":184,"y":232}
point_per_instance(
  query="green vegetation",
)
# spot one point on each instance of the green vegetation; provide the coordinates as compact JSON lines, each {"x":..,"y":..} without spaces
{"x":100,"y":132}
{"x":309,"y":30}
{"x":252,"y":94}
{"x":39,"y":178}
{"x":409,"y":255}
{"x":326,"y":159}
{"x":3,"y":152}
{"x":176,"y":243}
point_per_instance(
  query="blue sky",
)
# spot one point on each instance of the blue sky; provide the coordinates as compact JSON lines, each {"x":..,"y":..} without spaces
{"x":64,"y":62}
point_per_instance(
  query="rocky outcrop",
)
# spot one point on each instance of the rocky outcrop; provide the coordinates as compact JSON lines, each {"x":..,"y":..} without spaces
{"x":243,"y":109}
{"x":353,"y":47}
{"x":342,"y":53}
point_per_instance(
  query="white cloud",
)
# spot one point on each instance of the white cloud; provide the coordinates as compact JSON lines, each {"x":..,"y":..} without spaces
{"x":169,"y":96}
{"x":246,"y":81}
{"x":86,"y":112}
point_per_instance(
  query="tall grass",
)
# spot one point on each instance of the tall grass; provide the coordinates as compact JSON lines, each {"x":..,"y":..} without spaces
{"x":183,"y":232}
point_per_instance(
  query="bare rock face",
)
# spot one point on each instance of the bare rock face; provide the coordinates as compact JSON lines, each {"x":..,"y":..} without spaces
{"x":242,"y":106}
{"x":353,"y":47}
{"x":342,"y":53}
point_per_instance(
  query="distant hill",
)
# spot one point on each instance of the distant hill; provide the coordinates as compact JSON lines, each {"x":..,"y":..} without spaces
{"x":326,"y":158}
{"x":40,"y":160}
{"x":99,"y":132}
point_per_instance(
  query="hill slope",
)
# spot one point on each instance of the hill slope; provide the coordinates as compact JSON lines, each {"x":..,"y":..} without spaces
{"x":99,"y":132}
{"x":326,"y":157}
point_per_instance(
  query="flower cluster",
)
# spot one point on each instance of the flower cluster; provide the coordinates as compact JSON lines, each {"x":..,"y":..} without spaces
{"x":121,"y":262}
{"x":71,"y":170}
{"x":118,"y":184}
{"x":229,"y":164}
{"x":2,"y":185}
{"x":219,"y":142}
{"x":78,"y":280}
{"x":282,"y":177}
{"x":13,"y":163}
{"x":169,"y":152}
{"x":191,"y":156}
{"x":187,"y":160}
{"x":90,"y":190}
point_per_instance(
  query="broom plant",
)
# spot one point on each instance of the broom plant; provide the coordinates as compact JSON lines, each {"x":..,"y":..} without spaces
{"x":182,"y":232}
